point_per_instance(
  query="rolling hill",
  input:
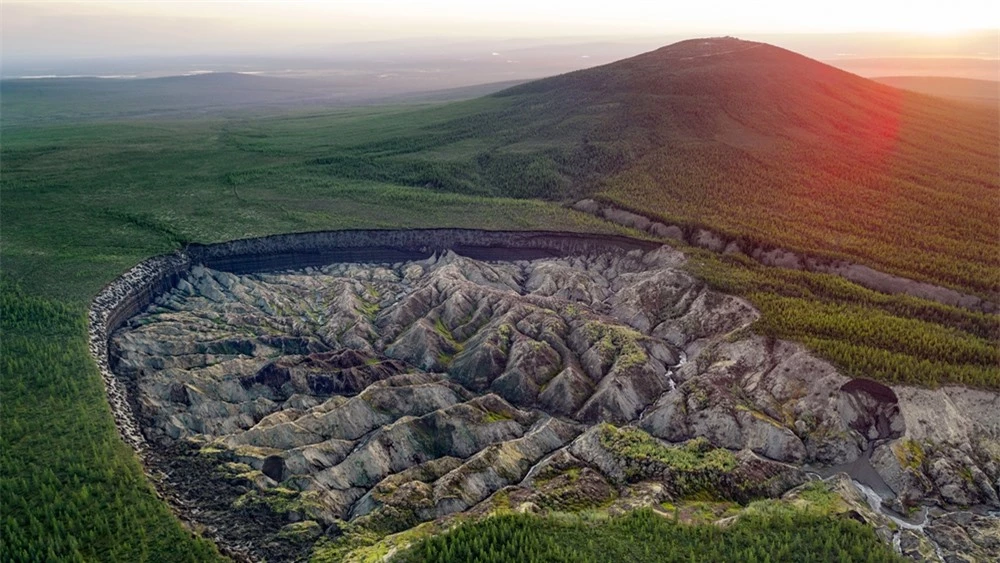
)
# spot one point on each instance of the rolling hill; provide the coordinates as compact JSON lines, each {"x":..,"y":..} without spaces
{"x":746,"y":138}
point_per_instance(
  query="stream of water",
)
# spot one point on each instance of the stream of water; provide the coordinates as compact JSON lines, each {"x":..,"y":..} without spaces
{"x":681,"y":360}
{"x":875,"y":502}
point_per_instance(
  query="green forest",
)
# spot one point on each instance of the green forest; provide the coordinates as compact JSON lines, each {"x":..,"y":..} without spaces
{"x":648,"y":536}
{"x":71,"y":490}
{"x":892,"y":338}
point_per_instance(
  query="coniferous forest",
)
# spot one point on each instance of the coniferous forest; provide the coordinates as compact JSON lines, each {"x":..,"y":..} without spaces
{"x":645,"y":536}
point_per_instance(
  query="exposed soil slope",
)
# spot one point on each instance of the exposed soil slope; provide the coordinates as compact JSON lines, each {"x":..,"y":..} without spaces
{"x":382,"y":396}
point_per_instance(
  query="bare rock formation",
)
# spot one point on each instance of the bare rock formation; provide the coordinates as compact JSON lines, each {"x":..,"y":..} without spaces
{"x":385,"y":395}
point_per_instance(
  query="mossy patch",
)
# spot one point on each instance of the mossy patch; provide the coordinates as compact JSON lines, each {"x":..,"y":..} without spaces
{"x":501,"y":501}
{"x":760,"y":416}
{"x":700,"y":512}
{"x":910,"y":454}
{"x":234,"y":470}
{"x":492,"y":416}
{"x":369,"y":309}
{"x":694,"y":456}
{"x":281,"y":500}
{"x":617,"y":342}
{"x":819,"y":496}
{"x":304,"y":531}
{"x":359,"y":544}
{"x":445,"y":357}
{"x":211,"y":451}
{"x":574,"y":491}
{"x":447,"y":335}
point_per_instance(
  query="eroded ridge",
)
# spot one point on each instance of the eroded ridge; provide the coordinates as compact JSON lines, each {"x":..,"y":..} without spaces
{"x":354,"y":373}
{"x":297,"y":403}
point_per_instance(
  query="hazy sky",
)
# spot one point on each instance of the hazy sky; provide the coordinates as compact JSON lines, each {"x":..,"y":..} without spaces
{"x":44,"y":29}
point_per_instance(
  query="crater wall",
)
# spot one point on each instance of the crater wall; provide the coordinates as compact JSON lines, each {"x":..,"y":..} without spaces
{"x":136,"y":289}
{"x":301,"y":250}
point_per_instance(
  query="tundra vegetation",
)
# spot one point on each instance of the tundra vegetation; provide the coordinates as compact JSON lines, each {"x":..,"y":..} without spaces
{"x":84,"y":201}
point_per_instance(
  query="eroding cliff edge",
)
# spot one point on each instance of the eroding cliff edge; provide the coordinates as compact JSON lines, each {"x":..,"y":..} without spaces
{"x":276,"y":409}
{"x":783,"y":258}
{"x":123,"y":298}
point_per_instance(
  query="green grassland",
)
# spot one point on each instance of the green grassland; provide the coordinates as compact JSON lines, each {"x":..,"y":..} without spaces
{"x":82,"y":202}
{"x":761,"y":144}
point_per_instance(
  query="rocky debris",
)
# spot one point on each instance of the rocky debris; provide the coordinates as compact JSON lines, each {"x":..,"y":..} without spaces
{"x":707,"y":239}
{"x":393,"y":394}
{"x":965,"y":536}
{"x":773,"y":398}
{"x":950,"y":449}
{"x":626,"y":218}
{"x":925,"y":534}
{"x":777,"y":400}
{"x":782,"y":258}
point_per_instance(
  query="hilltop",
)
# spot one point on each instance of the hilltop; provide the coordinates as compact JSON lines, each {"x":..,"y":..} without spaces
{"x":743,"y":137}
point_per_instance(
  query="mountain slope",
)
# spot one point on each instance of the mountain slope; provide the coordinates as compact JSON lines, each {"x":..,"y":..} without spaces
{"x":743,"y":137}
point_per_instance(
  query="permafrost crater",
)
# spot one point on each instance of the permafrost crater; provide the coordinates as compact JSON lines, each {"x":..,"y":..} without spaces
{"x":274,"y":406}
